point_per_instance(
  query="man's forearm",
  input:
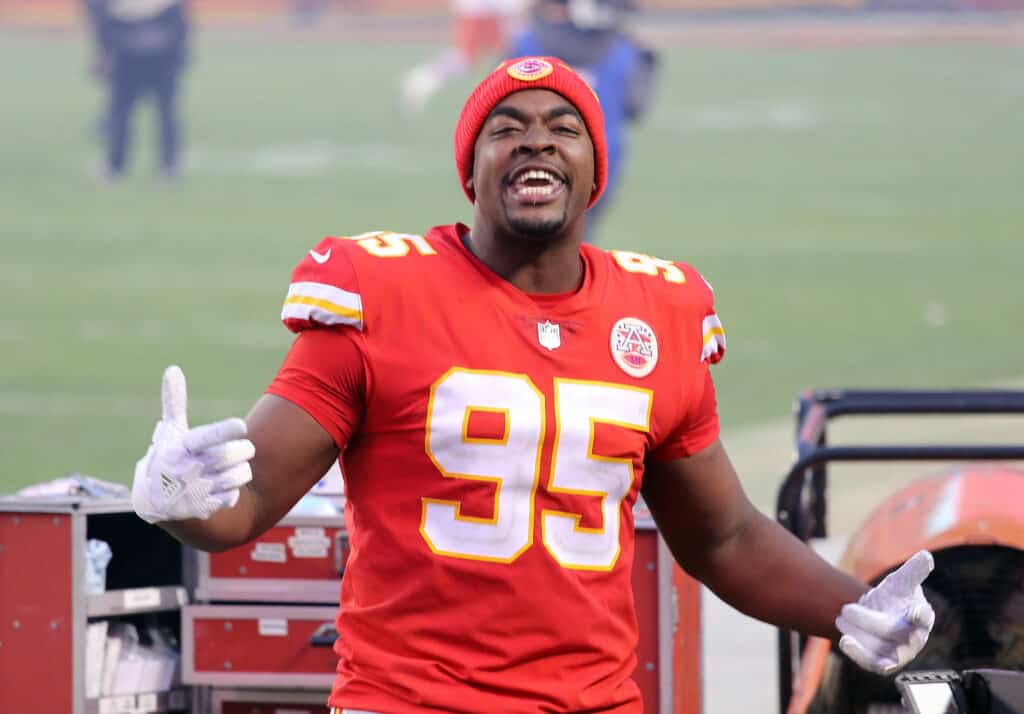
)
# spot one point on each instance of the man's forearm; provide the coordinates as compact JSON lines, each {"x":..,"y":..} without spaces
{"x":767,"y":573}
{"x":225,"y":529}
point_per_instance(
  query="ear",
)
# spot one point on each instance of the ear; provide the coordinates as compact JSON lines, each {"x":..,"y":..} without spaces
{"x":469,"y":184}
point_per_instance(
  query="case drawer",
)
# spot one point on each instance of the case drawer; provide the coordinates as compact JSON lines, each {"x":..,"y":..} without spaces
{"x":298,"y":560}
{"x":258,"y":646}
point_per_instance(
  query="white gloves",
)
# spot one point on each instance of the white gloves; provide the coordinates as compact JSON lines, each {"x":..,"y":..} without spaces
{"x":190,"y":473}
{"x":890,"y":623}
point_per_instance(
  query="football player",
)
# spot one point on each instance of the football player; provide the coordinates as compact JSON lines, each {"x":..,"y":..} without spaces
{"x":500,"y":395}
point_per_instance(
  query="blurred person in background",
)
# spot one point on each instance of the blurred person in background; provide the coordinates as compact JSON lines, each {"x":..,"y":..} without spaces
{"x":592,"y":36}
{"x":479,"y":31}
{"x":144,"y":44}
{"x":99,"y":64}
{"x":308,"y":12}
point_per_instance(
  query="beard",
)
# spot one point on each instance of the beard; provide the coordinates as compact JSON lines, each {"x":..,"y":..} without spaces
{"x":538,"y":228}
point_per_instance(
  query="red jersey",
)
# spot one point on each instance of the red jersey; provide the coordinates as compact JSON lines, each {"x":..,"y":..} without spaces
{"x":493,"y":448}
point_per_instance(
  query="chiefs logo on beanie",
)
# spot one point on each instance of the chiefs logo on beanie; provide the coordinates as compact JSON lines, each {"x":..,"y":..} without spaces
{"x":530,"y":73}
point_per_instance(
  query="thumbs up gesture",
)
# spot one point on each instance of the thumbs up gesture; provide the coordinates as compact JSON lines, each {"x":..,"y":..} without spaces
{"x":190,"y":473}
{"x":890,"y":623}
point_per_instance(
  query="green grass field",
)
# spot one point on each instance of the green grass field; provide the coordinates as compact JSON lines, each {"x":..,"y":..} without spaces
{"x":859,"y":212}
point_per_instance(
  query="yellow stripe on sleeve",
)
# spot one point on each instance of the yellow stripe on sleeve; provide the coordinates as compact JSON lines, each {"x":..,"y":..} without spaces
{"x":339,"y":310}
{"x":324,"y":304}
{"x":712,"y":333}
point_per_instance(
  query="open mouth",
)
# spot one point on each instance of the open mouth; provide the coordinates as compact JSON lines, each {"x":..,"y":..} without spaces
{"x":536,"y":185}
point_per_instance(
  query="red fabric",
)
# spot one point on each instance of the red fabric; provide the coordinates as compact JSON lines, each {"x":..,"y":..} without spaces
{"x":698,"y":430}
{"x":500,"y":83}
{"x":425,"y":628}
{"x":333,"y":397}
{"x":478,"y":35}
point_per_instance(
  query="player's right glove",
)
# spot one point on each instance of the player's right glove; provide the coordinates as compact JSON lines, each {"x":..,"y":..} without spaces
{"x":190,"y":473}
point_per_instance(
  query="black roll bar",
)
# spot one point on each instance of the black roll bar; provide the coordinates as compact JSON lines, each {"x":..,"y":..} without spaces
{"x":801,"y":504}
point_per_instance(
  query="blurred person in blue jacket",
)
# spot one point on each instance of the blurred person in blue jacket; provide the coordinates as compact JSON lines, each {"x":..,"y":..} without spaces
{"x":99,"y":65}
{"x":144,"y":43}
{"x":591,"y":36}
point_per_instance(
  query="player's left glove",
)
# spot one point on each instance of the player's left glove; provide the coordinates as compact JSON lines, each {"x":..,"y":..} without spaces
{"x":890,"y":623}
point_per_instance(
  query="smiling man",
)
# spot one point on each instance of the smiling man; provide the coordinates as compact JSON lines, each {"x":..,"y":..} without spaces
{"x":499,"y":397}
{"x":542,"y":191}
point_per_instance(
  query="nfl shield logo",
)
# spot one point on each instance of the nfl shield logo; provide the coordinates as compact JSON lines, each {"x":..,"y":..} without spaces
{"x":548,"y":335}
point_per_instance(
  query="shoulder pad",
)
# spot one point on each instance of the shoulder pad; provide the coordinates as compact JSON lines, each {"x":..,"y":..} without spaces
{"x":712,"y":332}
{"x":643,"y":264}
{"x":686,"y":289}
{"x":324,"y":290}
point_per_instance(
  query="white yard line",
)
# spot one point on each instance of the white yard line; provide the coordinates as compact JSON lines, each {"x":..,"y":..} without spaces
{"x":782,"y":115}
{"x":309,"y":158}
{"x":35,"y":404}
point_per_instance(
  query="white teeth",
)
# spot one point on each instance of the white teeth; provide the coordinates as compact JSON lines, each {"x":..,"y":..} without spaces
{"x":537,"y":174}
{"x":535,"y":190}
{"x":526,"y":190}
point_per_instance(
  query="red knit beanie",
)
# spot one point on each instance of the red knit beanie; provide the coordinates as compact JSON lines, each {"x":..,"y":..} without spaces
{"x":530,"y":73}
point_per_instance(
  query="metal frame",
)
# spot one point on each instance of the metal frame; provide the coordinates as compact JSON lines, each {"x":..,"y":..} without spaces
{"x":668,"y":619}
{"x":801,"y":505}
{"x":79,"y":609}
{"x":10,"y":504}
{"x":268,"y":696}
{"x":263,"y":589}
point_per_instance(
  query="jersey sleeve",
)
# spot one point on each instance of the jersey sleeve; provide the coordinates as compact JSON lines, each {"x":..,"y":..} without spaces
{"x":712,"y":332}
{"x":325,"y":371}
{"x":699,"y":426}
{"x":324,"y":290}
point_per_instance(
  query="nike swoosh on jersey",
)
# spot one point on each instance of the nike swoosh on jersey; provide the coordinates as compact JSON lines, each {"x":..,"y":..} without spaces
{"x":321,"y":258}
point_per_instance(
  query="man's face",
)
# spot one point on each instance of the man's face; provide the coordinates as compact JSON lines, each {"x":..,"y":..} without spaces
{"x":533,"y":165}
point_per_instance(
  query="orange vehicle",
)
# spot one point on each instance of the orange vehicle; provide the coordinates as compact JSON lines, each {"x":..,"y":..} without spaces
{"x":970,"y":516}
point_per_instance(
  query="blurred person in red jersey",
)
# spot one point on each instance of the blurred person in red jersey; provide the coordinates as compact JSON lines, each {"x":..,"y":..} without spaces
{"x":480,"y":30}
{"x":500,"y":396}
